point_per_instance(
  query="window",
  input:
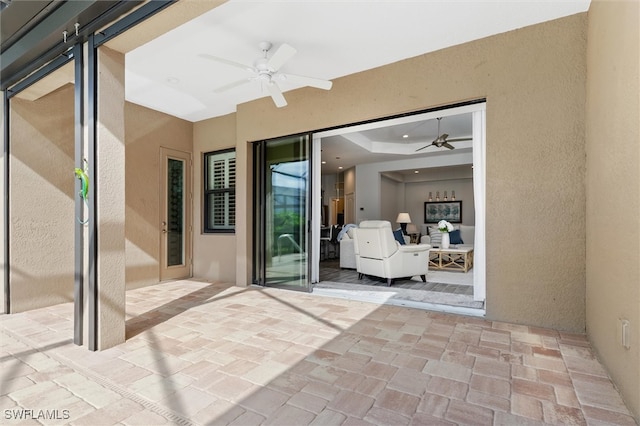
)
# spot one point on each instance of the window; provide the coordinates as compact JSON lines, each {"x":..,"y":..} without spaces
{"x":219,"y":191}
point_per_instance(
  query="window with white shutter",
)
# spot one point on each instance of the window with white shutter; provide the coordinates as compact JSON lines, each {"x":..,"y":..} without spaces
{"x":219,"y":191}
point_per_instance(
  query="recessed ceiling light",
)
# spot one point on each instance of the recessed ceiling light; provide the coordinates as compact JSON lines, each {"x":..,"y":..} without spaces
{"x":416,"y":171}
{"x":324,"y":162}
{"x":405,"y":136}
{"x":340,"y":167}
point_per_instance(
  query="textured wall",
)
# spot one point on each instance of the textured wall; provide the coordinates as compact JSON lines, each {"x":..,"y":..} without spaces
{"x":534,"y":82}
{"x":110,"y":178}
{"x":2,"y":201}
{"x":613,"y":189}
{"x":42,"y":200}
{"x":146,"y":131}
{"x":214,"y":254}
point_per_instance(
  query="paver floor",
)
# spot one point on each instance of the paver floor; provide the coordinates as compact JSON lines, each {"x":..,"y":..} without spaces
{"x":214,"y":354}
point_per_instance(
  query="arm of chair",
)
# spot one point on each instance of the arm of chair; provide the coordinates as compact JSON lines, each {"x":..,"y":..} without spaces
{"x":425,"y":239}
{"x":413,"y":248}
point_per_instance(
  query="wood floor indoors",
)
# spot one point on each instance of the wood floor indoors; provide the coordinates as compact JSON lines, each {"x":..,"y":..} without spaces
{"x":330,"y":271}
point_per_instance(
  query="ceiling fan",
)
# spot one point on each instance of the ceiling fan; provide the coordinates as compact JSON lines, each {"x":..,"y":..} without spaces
{"x":442,"y":140}
{"x":266,"y":70}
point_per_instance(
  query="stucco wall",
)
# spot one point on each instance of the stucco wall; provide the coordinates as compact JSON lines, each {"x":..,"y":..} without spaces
{"x":214,"y":254}
{"x":613,"y":190}
{"x":534,"y":82}
{"x":2,"y":201}
{"x":42,"y":200}
{"x":146,"y":131}
{"x":110,"y":177}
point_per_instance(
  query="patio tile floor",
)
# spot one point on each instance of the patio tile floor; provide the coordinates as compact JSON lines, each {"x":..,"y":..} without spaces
{"x":215,"y":354}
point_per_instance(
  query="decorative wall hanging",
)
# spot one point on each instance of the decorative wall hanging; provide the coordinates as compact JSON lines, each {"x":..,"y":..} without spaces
{"x":435,"y":211}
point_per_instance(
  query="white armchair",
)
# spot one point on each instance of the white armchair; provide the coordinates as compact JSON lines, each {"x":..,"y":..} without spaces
{"x":378,"y":253}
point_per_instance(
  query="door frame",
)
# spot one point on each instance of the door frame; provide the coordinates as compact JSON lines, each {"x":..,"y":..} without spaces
{"x":185,"y":270}
{"x":478,"y":109}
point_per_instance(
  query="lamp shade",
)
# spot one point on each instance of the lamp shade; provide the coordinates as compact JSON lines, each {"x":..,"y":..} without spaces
{"x":412,"y":228}
{"x":403,"y":218}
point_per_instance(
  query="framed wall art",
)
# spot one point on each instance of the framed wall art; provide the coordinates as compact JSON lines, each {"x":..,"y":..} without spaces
{"x":435,"y":211}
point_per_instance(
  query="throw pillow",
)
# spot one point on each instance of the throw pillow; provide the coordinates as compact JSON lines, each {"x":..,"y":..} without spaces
{"x":455,"y":238}
{"x":350,"y":232}
{"x":436,"y":236}
{"x":397,"y":234}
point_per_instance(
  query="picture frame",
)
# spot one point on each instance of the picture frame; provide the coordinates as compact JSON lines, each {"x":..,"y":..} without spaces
{"x":435,"y":211}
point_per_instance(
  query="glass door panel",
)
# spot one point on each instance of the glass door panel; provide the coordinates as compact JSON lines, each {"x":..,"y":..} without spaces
{"x":175,"y":226}
{"x":175,"y":212}
{"x":281,"y":211}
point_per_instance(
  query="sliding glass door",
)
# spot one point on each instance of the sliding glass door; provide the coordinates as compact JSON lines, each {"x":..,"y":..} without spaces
{"x":282,"y":212}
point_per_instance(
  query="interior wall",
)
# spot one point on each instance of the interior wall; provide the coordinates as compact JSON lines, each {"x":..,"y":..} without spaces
{"x":42,"y":200}
{"x":613,"y":190}
{"x":534,"y":81}
{"x":369,"y":203}
{"x":214,"y":254}
{"x":418,"y":192}
{"x":390,"y":203}
{"x":146,"y":131}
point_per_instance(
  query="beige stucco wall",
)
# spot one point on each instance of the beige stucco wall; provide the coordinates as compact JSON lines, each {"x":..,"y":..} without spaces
{"x":214,"y":254}
{"x":613,"y":190}
{"x":146,"y":131}
{"x":2,"y":205}
{"x":534,"y":82}
{"x":110,"y":170}
{"x":42,"y":201}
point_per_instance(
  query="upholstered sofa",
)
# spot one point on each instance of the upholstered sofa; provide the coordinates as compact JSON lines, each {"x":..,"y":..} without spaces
{"x":430,"y":235}
{"x":347,"y":252}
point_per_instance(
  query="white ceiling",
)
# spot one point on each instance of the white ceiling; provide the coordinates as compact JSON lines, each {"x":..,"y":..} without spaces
{"x":333,"y":39}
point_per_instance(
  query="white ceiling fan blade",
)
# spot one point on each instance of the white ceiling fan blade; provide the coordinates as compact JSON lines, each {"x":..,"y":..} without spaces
{"x":459,"y":140}
{"x":446,"y":145}
{"x":226,"y":61}
{"x":309,"y":81}
{"x":276,"y":95}
{"x":282,"y":55}
{"x":231,"y":85}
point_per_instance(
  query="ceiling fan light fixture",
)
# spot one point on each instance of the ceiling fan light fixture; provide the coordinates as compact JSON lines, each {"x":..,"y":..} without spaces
{"x":266,"y":70}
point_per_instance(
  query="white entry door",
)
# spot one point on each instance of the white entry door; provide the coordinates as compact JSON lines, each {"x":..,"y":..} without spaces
{"x":175,"y":215}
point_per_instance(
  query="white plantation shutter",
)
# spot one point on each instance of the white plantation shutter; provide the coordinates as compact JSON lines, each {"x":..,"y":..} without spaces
{"x":220,"y":197}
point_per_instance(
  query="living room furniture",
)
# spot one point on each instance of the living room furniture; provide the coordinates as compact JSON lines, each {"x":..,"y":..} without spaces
{"x":347,"y":250}
{"x":347,"y":253}
{"x":430,"y":235}
{"x":379,"y":254}
{"x":451,"y":259}
{"x":403,"y":219}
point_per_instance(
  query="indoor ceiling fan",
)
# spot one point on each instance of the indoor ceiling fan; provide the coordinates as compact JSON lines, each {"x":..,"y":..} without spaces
{"x":442,"y":140}
{"x":266,"y":70}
